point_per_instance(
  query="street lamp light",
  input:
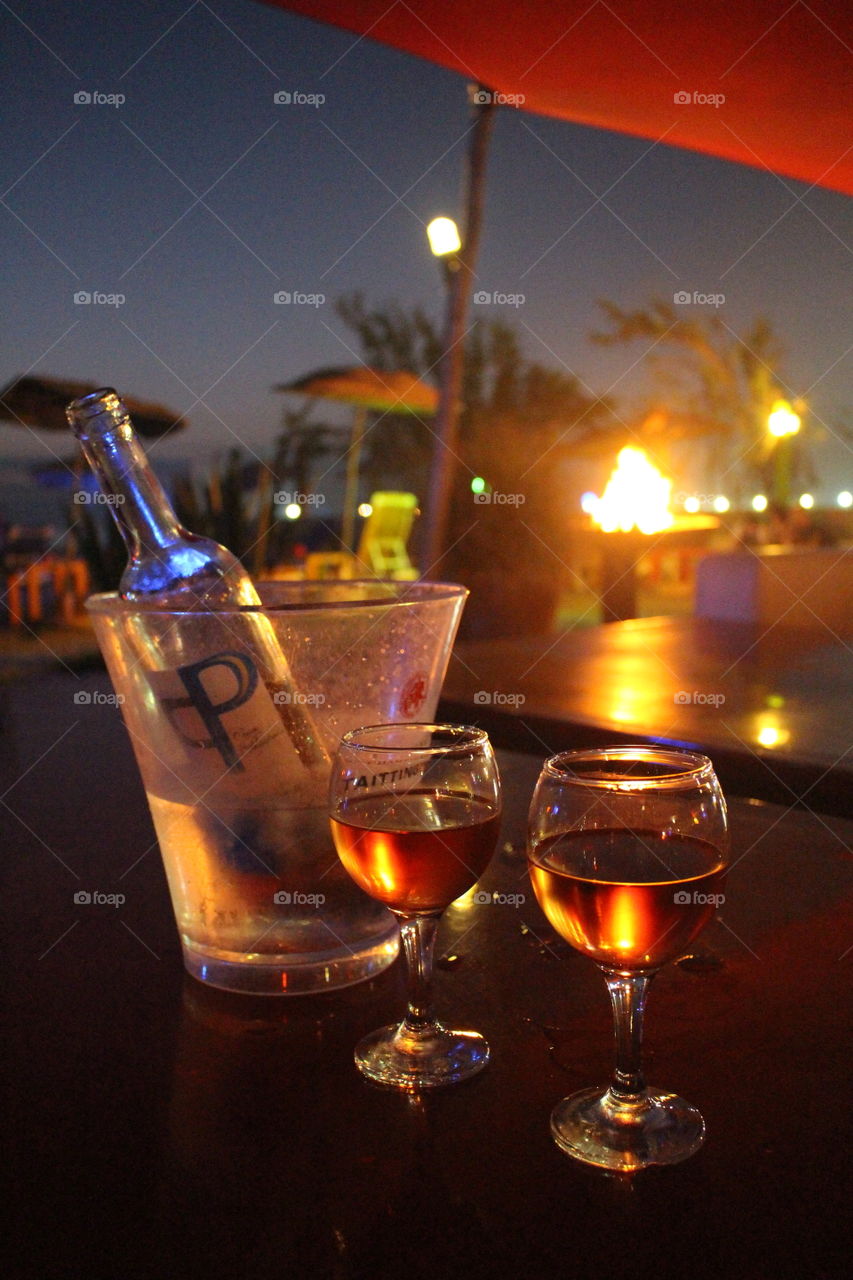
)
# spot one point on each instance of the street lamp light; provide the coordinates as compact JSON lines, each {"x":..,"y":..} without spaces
{"x":444,"y":238}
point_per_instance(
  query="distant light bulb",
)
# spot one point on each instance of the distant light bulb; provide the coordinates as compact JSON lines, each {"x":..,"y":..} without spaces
{"x":845,"y":499}
{"x":782,"y":420}
{"x":759,"y":502}
{"x":293,"y":511}
{"x":365,"y":510}
{"x":588,"y":502}
{"x":691,"y":506}
{"x":721,"y":504}
{"x":806,"y":501}
{"x":478,"y":485}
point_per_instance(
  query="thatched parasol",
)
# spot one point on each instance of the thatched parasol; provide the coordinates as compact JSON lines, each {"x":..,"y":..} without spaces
{"x":40,"y":402}
{"x":396,"y":391}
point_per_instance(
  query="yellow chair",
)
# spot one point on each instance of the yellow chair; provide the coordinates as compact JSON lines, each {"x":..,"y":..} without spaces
{"x":331,"y":564}
{"x":382,"y":545}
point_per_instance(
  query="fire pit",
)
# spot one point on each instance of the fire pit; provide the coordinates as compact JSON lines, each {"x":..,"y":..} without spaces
{"x":633,"y":510}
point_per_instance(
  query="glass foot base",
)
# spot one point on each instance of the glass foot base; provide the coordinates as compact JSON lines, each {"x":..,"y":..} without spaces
{"x":429,"y":1061}
{"x":601,"y":1129}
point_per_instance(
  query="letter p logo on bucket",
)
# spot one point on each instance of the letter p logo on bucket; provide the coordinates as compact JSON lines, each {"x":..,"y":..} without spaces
{"x":215,"y":686}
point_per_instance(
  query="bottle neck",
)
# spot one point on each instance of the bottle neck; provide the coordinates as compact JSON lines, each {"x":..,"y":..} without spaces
{"x":138,"y":501}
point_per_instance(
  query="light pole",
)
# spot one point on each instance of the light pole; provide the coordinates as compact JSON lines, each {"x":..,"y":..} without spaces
{"x":459,"y":255}
{"x":445,"y":243}
{"x":783,"y":424}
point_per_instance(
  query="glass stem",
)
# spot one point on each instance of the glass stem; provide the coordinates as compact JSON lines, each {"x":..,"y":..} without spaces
{"x":418,"y":935}
{"x":628,"y":997}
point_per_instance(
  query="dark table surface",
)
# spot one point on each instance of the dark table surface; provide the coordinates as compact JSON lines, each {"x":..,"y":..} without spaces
{"x":158,"y":1128}
{"x":773,"y":706}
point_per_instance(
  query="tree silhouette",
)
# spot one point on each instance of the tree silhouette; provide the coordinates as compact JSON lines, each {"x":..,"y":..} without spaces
{"x":714,"y":386}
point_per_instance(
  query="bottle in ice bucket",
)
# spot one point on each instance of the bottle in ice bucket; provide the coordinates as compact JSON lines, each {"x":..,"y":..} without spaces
{"x":172,"y":568}
{"x":230,"y":747}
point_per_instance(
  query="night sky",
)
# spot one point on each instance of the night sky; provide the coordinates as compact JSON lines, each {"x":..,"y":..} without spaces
{"x":198,"y":198}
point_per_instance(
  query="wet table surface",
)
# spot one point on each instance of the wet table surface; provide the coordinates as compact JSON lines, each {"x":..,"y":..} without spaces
{"x":772,"y":706}
{"x":158,"y":1128}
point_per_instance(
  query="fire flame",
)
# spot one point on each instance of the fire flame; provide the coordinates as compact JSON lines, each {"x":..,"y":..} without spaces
{"x":636,"y":497}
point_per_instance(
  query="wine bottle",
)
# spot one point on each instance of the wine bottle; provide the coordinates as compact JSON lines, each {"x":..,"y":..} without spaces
{"x":170,"y":568}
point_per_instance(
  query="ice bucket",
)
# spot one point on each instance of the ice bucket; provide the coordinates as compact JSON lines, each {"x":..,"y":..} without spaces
{"x":235,"y":762}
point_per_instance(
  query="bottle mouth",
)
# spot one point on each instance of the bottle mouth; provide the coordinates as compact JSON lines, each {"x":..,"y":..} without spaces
{"x":104,"y":404}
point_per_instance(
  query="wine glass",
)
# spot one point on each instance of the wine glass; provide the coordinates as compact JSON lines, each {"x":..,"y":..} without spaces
{"x":627,"y":853}
{"x":415,"y":810}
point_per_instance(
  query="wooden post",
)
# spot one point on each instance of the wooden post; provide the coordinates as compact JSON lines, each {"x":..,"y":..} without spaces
{"x":460,"y":282}
{"x":620,"y":554}
{"x":351,"y":492}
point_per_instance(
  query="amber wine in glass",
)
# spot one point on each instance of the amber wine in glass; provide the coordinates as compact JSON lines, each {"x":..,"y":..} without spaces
{"x":627,"y":855}
{"x":415,"y":811}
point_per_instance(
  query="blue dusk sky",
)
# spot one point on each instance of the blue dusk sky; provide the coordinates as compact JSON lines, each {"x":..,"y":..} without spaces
{"x":146,"y":159}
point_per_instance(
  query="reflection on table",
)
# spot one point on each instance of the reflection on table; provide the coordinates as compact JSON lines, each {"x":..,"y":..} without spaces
{"x":771,"y":705}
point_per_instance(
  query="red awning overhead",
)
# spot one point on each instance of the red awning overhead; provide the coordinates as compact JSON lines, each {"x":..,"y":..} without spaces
{"x":653,"y":68}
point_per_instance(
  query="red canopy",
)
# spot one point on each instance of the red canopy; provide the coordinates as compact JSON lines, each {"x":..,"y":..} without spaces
{"x":654,"y":68}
